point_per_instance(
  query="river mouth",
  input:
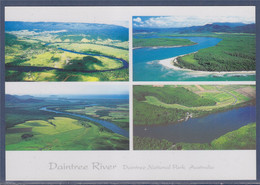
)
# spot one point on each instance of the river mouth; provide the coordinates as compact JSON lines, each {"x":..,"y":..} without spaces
{"x":146,"y":66}
{"x":200,"y":130}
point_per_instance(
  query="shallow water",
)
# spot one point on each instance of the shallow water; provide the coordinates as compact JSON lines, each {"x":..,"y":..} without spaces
{"x":147,"y":68}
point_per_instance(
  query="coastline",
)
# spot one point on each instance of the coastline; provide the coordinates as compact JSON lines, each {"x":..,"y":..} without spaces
{"x":156,"y":47}
{"x":169,"y":63}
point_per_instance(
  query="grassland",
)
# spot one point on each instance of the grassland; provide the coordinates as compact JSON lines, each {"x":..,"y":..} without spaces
{"x":243,"y":138}
{"x":235,"y":52}
{"x":118,"y":115}
{"x":170,"y":104}
{"x":30,"y":57}
{"x":62,"y":133}
{"x":161,"y":42}
{"x":30,"y":128}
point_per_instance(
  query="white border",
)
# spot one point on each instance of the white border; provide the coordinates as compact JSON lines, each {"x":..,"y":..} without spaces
{"x":227,"y":164}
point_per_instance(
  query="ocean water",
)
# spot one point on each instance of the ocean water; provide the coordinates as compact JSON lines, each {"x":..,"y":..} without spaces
{"x":147,"y":68}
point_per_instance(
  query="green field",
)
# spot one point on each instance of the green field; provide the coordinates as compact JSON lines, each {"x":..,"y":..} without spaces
{"x":160,"y":42}
{"x":62,"y":134}
{"x":38,"y":57}
{"x":170,"y":104}
{"x":242,"y":138}
{"x":29,"y":128}
{"x":235,"y":52}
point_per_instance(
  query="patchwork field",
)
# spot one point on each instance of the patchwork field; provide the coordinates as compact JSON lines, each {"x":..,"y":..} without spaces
{"x":62,"y":133}
{"x":194,"y":117}
{"x":29,"y":127}
{"x":65,"y":55}
{"x":175,"y":101}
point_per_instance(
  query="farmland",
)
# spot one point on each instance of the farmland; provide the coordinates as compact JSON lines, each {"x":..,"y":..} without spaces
{"x":31,"y":128}
{"x":174,"y":102}
{"x":65,"y":56}
{"x":170,"y":117}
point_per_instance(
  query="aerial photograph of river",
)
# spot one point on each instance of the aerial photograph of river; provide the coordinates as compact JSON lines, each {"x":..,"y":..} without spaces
{"x":48,"y":50}
{"x":67,"y":116}
{"x":194,"y":117}
{"x":213,"y":51}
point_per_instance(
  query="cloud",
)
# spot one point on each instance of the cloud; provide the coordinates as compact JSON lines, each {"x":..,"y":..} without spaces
{"x":186,"y":21}
{"x":138,"y":19}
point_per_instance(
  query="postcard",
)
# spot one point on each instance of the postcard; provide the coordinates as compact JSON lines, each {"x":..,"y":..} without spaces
{"x":123,"y":93}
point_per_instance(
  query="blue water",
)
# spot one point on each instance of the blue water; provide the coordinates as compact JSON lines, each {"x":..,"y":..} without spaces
{"x":147,"y":68}
{"x":200,"y":130}
{"x":125,"y":63}
{"x":105,"y":124}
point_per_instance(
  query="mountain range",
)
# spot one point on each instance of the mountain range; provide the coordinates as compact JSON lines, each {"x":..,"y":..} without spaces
{"x":21,"y":99}
{"x":93,"y":30}
{"x":208,"y":28}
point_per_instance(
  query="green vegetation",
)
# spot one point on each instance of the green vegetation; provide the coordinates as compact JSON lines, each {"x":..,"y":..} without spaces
{"x":171,"y":94}
{"x":33,"y":57}
{"x":161,"y":42}
{"x":29,"y":128}
{"x":171,"y":104}
{"x":147,"y":143}
{"x":118,"y":115}
{"x":242,"y":139}
{"x":236,"y":52}
{"x":63,"y":134}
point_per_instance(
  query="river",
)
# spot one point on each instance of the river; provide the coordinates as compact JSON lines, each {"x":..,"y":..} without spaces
{"x":200,"y":130}
{"x":147,"y":68}
{"x":111,"y":126}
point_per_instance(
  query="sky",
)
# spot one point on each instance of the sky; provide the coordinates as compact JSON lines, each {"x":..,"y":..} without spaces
{"x":185,"y":21}
{"x":164,"y":16}
{"x":62,"y":88}
{"x":197,"y":16}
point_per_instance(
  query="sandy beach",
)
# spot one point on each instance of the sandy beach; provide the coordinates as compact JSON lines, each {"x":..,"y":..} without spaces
{"x":169,"y":63}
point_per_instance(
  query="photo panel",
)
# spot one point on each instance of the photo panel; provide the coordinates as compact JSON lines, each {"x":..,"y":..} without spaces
{"x":66,"y":44}
{"x":130,"y":93}
{"x":194,"y":117}
{"x":66,"y":116}
{"x":204,"y":46}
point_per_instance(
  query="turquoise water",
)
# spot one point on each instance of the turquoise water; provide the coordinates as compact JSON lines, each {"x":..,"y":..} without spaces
{"x":147,"y":68}
{"x":200,"y":130}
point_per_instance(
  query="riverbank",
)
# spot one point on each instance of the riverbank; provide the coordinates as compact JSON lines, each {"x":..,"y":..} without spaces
{"x":157,"y":47}
{"x":170,"y":63}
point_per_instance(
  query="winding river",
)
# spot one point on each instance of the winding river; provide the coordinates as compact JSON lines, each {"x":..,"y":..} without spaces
{"x":35,"y":68}
{"x":111,"y":126}
{"x":146,"y":65}
{"x":200,"y":130}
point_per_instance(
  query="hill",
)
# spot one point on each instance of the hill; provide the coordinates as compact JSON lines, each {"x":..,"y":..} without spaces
{"x":24,"y":99}
{"x":102,"y":31}
{"x":208,"y":28}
